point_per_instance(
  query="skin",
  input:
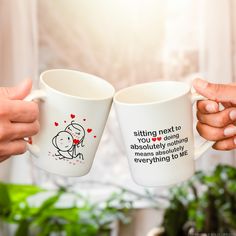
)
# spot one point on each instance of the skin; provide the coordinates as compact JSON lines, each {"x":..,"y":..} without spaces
{"x":217,"y":124}
{"x":18,"y":119}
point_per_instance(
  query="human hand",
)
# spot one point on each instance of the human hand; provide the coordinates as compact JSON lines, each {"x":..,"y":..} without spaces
{"x":213,"y":124}
{"x":18,"y":119}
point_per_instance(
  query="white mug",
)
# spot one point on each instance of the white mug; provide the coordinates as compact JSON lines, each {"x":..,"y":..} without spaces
{"x":74,"y":107}
{"x":157,"y":128}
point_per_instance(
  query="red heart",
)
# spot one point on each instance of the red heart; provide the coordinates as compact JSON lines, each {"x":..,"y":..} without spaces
{"x":89,"y":130}
{"x":154,"y":139}
{"x":159,"y":138}
{"x":72,"y":116}
{"x":76,"y":141}
{"x":56,"y":124}
{"x":95,"y":136}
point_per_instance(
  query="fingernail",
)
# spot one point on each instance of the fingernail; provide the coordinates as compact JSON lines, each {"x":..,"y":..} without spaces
{"x":200,"y":83}
{"x":230,"y":131}
{"x":235,"y":140}
{"x":212,"y":108}
{"x":232,"y":115}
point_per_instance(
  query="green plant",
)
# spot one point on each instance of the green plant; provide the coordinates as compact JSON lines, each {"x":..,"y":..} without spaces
{"x":83,"y":219}
{"x":205,"y":204}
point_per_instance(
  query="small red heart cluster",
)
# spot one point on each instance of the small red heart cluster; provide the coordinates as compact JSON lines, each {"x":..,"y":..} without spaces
{"x":156,"y":139}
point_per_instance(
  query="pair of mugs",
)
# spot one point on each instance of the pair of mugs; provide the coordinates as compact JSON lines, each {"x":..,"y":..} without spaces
{"x":155,"y":121}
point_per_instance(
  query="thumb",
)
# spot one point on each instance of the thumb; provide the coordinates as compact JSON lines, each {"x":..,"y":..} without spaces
{"x":18,"y":92}
{"x":216,"y":92}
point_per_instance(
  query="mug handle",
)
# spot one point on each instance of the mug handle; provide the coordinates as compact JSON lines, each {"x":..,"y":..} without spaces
{"x":35,"y":94}
{"x":198,"y":151}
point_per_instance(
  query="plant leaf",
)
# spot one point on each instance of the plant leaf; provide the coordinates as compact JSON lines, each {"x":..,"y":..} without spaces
{"x":23,"y":228}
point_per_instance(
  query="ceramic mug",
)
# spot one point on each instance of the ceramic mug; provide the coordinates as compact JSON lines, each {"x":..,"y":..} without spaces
{"x":157,"y":128}
{"x":74,"y":107}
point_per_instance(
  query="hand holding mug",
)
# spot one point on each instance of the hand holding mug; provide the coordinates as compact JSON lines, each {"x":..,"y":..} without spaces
{"x":215,"y":124}
{"x":18,"y":119}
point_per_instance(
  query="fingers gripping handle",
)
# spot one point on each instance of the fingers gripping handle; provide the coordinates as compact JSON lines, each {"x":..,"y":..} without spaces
{"x":198,"y":151}
{"x":197,"y":97}
{"x":36,"y":94}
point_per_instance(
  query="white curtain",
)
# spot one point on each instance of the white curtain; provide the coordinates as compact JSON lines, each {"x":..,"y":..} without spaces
{"x":18,"y":60}
{"x":216,"y":40}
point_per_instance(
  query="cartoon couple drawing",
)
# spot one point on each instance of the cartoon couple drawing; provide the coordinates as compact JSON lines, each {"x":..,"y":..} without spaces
{"x":69,"y":141}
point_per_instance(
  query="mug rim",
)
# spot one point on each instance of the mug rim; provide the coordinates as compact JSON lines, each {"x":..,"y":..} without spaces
{"x":125,"y":90}
{"x":111,"y":87}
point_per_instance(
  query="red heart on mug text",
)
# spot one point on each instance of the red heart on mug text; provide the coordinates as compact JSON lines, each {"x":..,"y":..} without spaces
{"x":76,"y":141}
{"x":154,"y":139}
{"x":89,"y":130}
{"x":159,"y":138}
{"x":56,"y":124}
{"x":72,"y":116}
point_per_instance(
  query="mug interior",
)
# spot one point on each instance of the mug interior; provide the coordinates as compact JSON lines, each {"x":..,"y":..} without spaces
{"x":76,"y":83}
{"x":152,"y":92}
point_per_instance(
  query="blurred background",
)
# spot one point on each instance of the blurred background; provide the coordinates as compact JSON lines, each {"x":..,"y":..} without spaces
{"x":125,"y":42}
